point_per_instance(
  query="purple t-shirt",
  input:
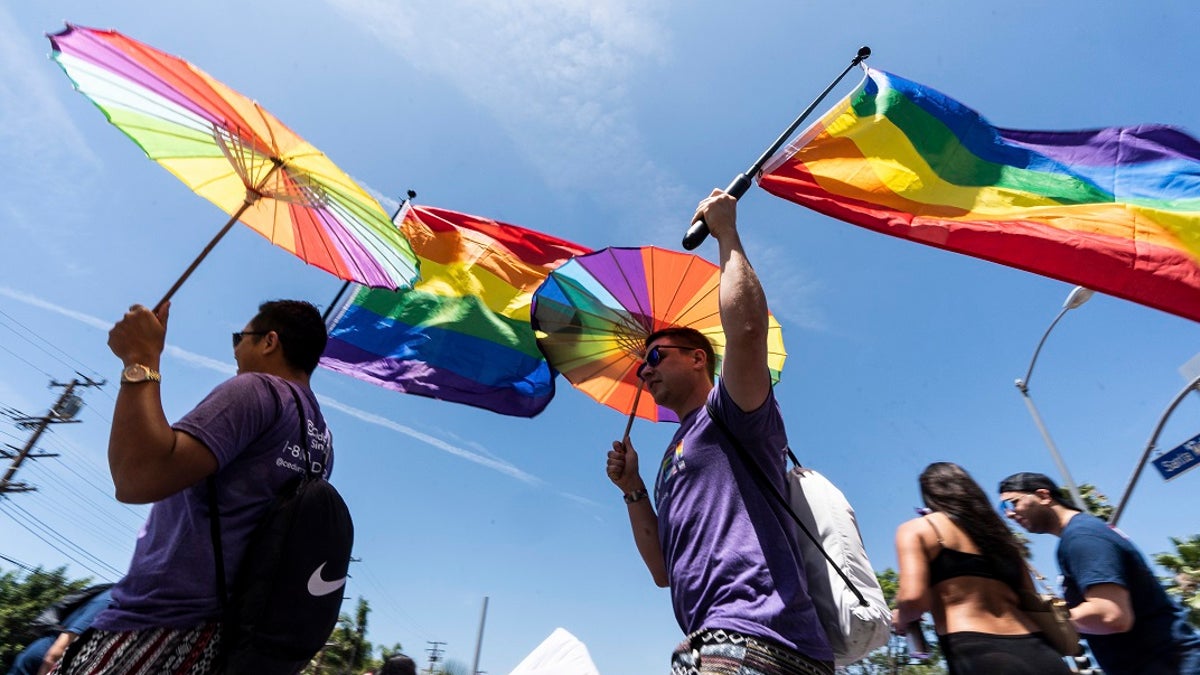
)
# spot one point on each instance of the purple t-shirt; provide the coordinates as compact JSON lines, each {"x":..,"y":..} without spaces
{"x":731,"y":561}
{"x":251,"y":426}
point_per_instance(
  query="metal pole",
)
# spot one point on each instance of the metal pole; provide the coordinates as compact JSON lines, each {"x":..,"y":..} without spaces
{"x":1077,"y":297}
{"x":698,"y":230}
{"x":1076,"y":497}
{"x":479,"y":639}
{"x":1150,"y":445}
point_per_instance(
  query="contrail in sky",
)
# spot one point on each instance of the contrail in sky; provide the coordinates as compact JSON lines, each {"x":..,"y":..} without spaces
{"x":228,"y":369}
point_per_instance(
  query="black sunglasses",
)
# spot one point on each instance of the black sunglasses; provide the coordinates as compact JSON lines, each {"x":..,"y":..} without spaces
{"x":655,"y":357}
{"x":237,"y":337}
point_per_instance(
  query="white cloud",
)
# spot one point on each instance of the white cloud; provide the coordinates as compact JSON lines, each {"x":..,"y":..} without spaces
{"x":38,"y":140}
{"x":228,"y":369}
{"x":551,"y":72}
{"x":497,"y":465}
{"x":797,"y":296}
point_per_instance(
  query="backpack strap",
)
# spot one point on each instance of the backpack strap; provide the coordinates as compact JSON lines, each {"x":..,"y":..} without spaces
{"x":765,"y":484}
{"x":308,"y":470}
{"x":214,"y":513}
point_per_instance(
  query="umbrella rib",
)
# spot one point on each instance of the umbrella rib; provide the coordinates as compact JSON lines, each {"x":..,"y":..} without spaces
{"x":644,"y":311}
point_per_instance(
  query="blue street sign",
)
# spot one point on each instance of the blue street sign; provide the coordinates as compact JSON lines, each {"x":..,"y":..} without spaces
{"x":1174,"y":462}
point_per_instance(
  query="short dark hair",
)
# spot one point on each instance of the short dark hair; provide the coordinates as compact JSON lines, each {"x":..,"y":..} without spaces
{"x":300,"y":329}
{"x":688,"y":337}
{"x":1028,"y":481}
{"x":398,"y":664}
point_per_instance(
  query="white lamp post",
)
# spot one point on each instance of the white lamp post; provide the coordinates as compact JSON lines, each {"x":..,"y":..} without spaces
{"x":1077,"y":297}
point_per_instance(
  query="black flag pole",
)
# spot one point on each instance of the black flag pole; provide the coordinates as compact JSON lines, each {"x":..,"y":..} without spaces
{"x":346,"y":286}
{"x":699,"y":229}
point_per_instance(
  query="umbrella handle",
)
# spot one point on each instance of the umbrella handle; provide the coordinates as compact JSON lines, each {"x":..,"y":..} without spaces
{"x":633,"y":412}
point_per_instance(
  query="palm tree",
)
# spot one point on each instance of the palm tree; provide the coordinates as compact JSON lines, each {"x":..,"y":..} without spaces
{"x":1185,"y":564}
{"x":346,"y":651}
{"x":1095,"y":501}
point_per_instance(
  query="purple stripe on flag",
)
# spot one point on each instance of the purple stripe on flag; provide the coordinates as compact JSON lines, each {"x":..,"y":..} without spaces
{"x":415,"y":377}
{"x":1113,"y":146}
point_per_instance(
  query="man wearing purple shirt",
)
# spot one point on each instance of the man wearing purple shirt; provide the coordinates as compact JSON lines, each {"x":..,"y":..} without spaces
{"x":733,"y":566}
{"x":164,"y":618}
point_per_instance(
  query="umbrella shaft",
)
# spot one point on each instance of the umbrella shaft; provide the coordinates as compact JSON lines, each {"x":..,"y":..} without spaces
{"x":251,"y":197}
{"x":633,"y":412}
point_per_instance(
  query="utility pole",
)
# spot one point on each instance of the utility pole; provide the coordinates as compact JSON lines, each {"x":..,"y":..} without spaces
{"x":435,"y":654}
{"x":479,"y":640}
{"x":63,"y":412}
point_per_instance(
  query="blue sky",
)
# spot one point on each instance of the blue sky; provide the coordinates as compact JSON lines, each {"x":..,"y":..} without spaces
{"x":603,"y":123}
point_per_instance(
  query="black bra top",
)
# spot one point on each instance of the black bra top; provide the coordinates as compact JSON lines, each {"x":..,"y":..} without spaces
{"x":950,"y":563}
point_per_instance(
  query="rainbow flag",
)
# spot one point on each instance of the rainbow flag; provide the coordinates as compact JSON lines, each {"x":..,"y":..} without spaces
{"x":462,"y":333}
{"x":1116,"y":210}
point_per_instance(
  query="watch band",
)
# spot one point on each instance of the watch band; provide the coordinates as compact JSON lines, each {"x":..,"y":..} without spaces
{"x":635,"y":496}
{"x":137,"y":372}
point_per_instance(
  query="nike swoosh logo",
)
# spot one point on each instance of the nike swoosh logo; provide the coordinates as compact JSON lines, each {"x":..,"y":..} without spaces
{"x":318,"y":586}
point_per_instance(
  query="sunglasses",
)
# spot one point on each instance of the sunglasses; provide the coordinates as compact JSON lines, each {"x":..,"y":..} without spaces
{"x":655,"y":357}
{"x":1010,"y":505}
{"x":237,"y":337}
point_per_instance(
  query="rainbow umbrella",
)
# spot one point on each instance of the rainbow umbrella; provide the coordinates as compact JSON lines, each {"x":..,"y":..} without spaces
{"x":593,"y":313}
{"x":238,"y":156}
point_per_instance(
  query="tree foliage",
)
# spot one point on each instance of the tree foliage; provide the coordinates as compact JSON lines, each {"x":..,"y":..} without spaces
{"x":22,"y":598}
{"x":347,"y":649}
{"x":1184,"y":564}
{"x":1095,"y":501}
{"x":893,"y":658}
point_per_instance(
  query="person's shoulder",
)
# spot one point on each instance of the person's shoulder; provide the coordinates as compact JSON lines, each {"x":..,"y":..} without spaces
{"x":249,"y":384}
{"x":1087,"y":525}
{"x":910,"y":528}
{"x":719,"y":397}
{"x":245,"y":391}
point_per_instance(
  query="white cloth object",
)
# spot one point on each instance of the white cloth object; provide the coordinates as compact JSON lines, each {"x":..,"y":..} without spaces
{"x":559,"y":654}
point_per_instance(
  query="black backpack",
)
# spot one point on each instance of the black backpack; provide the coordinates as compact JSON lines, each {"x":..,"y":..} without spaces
{"x":288,"y":592}
{"x":51,"y":620}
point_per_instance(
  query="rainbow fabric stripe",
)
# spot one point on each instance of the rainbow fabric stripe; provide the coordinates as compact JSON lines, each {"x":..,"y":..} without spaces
{"x":226,"y":147}
{"x":462,"y":333}
{"x":1116,"y":210}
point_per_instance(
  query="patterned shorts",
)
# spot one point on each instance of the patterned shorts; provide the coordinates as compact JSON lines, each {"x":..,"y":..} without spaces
{"x":156,"y":651}
{"x":724,"y":652}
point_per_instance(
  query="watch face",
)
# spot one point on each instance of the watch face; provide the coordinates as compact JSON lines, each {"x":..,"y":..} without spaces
{"x":139,"y":373}
{"x":135,"y":373}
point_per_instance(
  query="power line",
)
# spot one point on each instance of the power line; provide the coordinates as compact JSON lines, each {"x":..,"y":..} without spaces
{"x":54,"y":546}
{"x":95,"y":518}
{"x":47,"y":342}
{"x":25,"y":361}
{"x":18,"y":563}
{"x":53,"y":533}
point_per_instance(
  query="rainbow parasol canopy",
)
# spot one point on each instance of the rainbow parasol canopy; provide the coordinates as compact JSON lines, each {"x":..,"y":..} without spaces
{"x":593,"y":313}
{"x":238,"y":156}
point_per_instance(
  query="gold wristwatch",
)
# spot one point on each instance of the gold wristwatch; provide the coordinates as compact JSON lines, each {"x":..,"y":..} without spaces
{"x":136,"y":372}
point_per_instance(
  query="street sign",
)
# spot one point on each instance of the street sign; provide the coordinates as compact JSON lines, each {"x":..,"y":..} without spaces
{"x":1174,"y":462}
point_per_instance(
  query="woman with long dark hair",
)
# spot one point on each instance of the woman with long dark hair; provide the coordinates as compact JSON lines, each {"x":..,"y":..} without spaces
{"x":962,"y":564}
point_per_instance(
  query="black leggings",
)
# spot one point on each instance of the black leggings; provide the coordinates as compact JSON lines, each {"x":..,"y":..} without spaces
{"x":970,"y":653}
